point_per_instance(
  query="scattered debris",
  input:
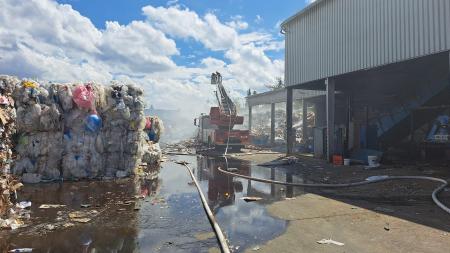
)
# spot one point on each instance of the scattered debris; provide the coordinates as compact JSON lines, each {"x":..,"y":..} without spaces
{"x":22,"y":250}
{"x":50,"y":227}
{"x":256,"y":248}
{"x":23,"y":204}
{"x":386,"y":227}
{"x":81,"y":220}
{"x":48,"y":206}
{"x":330,"y":241}
{"x":251,"y":199}
{"x":85,"y":205}
{"x":83,"y":217}
{"x":66,"y":225}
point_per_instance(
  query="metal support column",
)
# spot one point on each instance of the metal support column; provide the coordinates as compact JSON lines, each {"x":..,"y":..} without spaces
{"x":305,"y":121}
{"x":250,"y":118}
{"x":330,"y":84}
{"x":289,"y":130}
{"x":272,"y":124}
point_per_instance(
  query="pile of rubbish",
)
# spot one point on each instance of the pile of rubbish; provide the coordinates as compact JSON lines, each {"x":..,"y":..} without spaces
{"x":7,"y":123}
{"x":9,"y":186}
{"x":261,"y":129}
{"x":81,"y":131}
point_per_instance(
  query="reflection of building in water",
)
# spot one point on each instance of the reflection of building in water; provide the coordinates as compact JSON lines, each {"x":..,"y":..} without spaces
{"x":222,"y":188}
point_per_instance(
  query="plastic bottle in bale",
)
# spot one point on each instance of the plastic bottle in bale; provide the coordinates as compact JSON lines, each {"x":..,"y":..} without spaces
{"x":93,"y":123}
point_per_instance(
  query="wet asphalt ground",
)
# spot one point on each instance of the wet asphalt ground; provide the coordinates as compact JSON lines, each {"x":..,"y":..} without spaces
{"x":159,"y":214}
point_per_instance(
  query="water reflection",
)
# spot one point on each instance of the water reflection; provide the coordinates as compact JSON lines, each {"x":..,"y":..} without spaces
{"x":169,"y":217}
{"x":112,"y":230}
{"x":245,"y":223}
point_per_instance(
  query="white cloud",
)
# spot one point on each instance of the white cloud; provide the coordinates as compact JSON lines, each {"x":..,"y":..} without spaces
{"x":237,"y":23}
{"x":249,"y":66}
{"x":183,"y":23}
{"x":137,"y":47}
{"x":46,"y":40}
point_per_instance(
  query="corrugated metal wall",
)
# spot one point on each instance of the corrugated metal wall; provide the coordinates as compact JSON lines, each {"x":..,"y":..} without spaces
{"x":340,"y":36}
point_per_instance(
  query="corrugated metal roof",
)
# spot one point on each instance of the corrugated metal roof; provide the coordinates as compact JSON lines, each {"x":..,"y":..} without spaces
{"x":334,"y":37}
{"x":301,"y":12}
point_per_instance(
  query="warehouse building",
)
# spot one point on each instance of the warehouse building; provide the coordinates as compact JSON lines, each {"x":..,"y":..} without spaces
{"x":385,"y":67}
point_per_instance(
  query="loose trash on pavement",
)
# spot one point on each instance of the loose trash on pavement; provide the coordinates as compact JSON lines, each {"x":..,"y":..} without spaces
{"x":329,"y":241}
{"x":22,"y":250}
{"x":251,"y":199}
{"x":48,"y":206}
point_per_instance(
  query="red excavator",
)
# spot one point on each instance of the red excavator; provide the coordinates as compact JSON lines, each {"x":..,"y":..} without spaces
{"x":216,"y":129}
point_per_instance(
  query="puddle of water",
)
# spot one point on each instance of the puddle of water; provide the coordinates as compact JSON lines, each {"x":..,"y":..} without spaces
{"x":170,"y":218}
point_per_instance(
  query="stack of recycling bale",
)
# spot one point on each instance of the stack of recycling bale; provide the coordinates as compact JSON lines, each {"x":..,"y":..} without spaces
{"x":7,"y":122}
{"x":78,"y":131}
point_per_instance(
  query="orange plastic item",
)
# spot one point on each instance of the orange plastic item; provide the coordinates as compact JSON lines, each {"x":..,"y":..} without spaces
{"x":338,"y":160}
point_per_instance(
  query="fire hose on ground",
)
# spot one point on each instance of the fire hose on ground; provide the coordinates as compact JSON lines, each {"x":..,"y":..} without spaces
{"x":370,"y":180}
{"x":217,"y":230}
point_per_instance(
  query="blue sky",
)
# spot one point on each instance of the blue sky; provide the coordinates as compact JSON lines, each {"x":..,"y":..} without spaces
{"x":260,"y":15}
{"x":169,"y":48}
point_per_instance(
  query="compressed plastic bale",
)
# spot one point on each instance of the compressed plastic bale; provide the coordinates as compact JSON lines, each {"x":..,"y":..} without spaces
{"x":47,"y":167}
{"x":130,"y":163}
{"x":34,"y":144}
{"x":52,"y":95}
{"x":23,"y":165}
{"x":100,"y":97}
{"x":43,"y":95}
{"x":79,"y":143}
{"x":113,"y":140}
{"x":96,"y":164}
{"x":99,"y":146}
{"x":133,"y":142}
{"x":134,"y":90}
{"x":65,"y":97}
{"x":137,"y":121}
{"x":74,"y":166}
{"x":28,"y":117}
{"x":75,"y":120}
{"x":50,"y":118}
{"x":8,"y":83}
{"x":87,"y":154}
{"x":113,"y":162}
